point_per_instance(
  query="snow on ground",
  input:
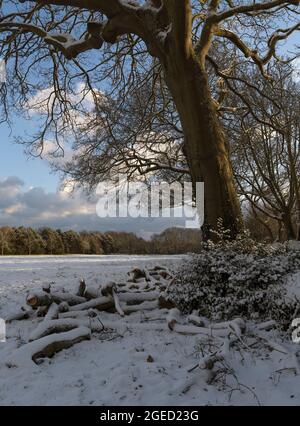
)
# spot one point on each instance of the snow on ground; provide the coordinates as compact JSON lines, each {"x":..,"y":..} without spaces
{"x":114,"y":368}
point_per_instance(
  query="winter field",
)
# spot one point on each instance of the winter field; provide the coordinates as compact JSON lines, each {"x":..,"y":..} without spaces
{"x":133,"y":366}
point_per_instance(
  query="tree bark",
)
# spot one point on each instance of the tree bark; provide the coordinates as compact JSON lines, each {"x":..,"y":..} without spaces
{"x":289,"y":227}
{"x":205,"y":145}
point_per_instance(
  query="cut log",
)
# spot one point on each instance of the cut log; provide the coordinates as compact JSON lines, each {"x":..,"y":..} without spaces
{"x":107,"y":289}
{"x":47,"y":347}
{"x":136,"y":274}
{"x":89,"y":313}
{"x":71,"y":299}
{"x":268,"y":325}
{"x":145,"y":306}
{"x":39,"y":299}
{"x":196,"y":320}
{"x":81,"y":288}
{"x":41,"y":311}
{"x":134,"y":298}
{"x":159,"y":268}
{"x":141,"y":281}
{"x":165,"y":303}
{"x":173,"y":318}
{"x":52,"y":312}
{"x":165,"y":275}
{"x":173,"y":322}
{"x":92,"y":293}
{"x":63,"y":307}
{"x":44,"y":299}
{"x":58,"y":326}
{"x":55,"y":326}
{"x":117,"y":303}
{"x":46,"y":288}
{"x":156,"y":276}
{"x":19,"y":316}
{"x":132,"y":286}
{"x":101,"y":303}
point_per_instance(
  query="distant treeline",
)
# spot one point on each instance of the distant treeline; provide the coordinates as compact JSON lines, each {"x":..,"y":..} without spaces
{"x":29,"y":241}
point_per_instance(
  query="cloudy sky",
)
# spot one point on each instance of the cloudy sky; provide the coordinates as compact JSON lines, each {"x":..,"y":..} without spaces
{"x":36,"y":206}
{"x":31,"y":195}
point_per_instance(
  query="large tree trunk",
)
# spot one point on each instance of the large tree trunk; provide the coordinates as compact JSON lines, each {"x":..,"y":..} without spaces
{"x":289,"y":227}
{"x":205,"y":144}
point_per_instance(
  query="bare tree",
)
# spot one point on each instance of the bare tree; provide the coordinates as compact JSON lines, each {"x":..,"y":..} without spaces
{"x":267,"y":157}
{"x":178,"y":38}
{"x":135,"y":137}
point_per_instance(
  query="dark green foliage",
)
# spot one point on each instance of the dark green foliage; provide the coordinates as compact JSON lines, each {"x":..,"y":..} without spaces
{"x":240,"y":278}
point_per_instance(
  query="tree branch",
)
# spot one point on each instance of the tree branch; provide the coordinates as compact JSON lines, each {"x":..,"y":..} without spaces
{"x":254,"y":7}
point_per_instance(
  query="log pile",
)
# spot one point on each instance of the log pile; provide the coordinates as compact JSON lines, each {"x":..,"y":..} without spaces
{"x":66,"y":318}
{"x":63,"y":319}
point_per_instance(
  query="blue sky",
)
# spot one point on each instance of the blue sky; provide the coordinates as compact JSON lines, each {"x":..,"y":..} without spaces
{"x":30,"y":195}
{"x":13,"y":161}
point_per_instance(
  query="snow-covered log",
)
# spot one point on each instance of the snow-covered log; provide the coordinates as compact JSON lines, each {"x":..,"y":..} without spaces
{"x":145,"y":306}
{"x":107,"y":289}
{"x":47,"y":347}
{"x":117,"y":303}
{"x":92,"y":293}
{"x":137,"y":274}
{"x":195,"y":320}
{"x":268,"y":325}
{"x":63,"y":307}
{"x":71,"y":299}
{"x":81,"y":288}
{"x":173,"y":318}
{"x":181,"y":329}
{"x":164,"y":303}
{"x":19,"y":316}
{"x":54,"y":326}
{"x":52,"y":312}
{"x":88,"y":313}
{"x":102,"y":303}
{"x":134,"y":298}
{"x":46,"y":287}
{"x":42,"y":298}
{"x":37,"y":299}
{"x":41,"y":311}
{"x":173,"y":322}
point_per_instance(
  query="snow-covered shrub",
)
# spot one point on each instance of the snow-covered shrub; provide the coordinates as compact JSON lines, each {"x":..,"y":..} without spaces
{"x":237,"y":278}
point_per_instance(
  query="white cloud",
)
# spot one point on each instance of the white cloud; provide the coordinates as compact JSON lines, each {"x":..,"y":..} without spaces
{"x":63,"y":209}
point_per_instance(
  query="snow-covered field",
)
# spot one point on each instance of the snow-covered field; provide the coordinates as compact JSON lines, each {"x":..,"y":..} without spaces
{"x":114,"y":368}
